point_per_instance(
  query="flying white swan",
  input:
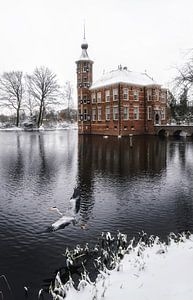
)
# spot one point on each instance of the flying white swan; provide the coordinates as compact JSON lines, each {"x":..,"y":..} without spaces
{"x":65,"y":220}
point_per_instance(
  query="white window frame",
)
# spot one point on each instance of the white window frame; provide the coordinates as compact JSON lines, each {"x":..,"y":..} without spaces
{"x":98,"y":97}
{"x":149,"y":95}
{"x":99,"y":109}
{"x":93,"y":97}
{"x":136,"y":118}
{"x":94,"y":117}
{"x":115,"y":113}
{"x":136,"y":95}
{"x":125,"y":93}
{"x":149,"y":113}
{"x":125,"y":115}
{"x":115,"y":94}
{"x":107,"y":95}
{"x":107,"y":113}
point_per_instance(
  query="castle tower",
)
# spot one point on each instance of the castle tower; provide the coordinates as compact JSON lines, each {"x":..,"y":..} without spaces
{"x":84,"y":81}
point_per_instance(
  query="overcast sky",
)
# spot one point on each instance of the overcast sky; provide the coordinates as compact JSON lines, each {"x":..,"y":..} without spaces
{"x":152,"y":35}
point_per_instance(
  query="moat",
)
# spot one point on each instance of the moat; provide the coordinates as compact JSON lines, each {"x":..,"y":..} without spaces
{"x":145,"y":187}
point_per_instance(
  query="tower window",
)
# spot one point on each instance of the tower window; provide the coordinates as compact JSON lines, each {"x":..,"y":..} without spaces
{"x":85,"y":114}
{"x":85,"y":79}
{"x":85,"y":99}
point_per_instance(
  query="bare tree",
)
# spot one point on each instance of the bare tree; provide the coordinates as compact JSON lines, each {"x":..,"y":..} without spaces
{"x":43,"y":87}
{"x":185,"y":74}
{"x":11,"y":91}
{"x":68,"y":96}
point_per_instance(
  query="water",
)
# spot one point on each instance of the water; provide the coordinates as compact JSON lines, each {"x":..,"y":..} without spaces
{"x":147,"y":187}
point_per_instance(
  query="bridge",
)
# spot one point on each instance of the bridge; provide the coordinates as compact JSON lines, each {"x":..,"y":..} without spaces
{"x":174,"y":130}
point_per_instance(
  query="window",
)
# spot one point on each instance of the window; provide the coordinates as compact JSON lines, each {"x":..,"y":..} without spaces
{"x":93,"y":97}
{"x":78,"y":68}
{"x":136,"y":113}
{"x":149,"y":112}
{"x":107,"y":96}
{"x":163,"y":114}
{"x":125,"y":93}
{"x":149,"y":95}
{"x":94,"y":114}
{"x":99,"y":97}
{"x":107,"y":113}
{"x":85,"y":98}
{"x":115,"y":113}
{"x":136,"y":95}
{"x":85,"y":79}
{"x":99,"y":114}
{"x":85,"y":66}
{"x":85,"y":114}
{"x":126,"y":113}
{"x":115,"y":94}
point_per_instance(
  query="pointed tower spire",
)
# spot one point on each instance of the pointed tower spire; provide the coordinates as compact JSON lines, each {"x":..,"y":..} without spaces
{"x":84,"y":29}
{"x":84,"y":46}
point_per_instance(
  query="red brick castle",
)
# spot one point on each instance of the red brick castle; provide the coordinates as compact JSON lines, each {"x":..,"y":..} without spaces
{"x":120,"y":103}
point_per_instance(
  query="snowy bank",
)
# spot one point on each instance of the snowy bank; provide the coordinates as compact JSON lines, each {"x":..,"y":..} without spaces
{"x":155,"y":272}
{"x":65,"y":126}
{"x":12,"y":129}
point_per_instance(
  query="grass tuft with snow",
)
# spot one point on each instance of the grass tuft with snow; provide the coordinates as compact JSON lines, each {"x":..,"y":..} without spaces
{"x":148,"y":269}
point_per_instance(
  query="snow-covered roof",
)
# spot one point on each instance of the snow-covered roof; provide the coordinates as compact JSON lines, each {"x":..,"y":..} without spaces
{"x":122,"y":75}
{"x":84,"y":56}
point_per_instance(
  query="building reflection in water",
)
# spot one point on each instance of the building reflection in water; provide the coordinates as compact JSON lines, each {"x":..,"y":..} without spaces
{"x":114,"y":159}
{"x":180,"y":176}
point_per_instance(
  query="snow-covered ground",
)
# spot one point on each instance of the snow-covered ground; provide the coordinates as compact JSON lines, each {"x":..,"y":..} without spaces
{"x":12,"y":129}
{"x":155,"y":272}
{"x":60,"y":126}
